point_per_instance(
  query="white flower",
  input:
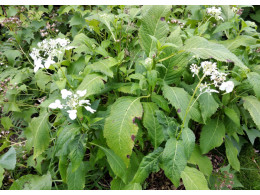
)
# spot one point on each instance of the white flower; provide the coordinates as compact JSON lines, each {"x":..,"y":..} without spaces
{"x":65,"y":93}
{"x":56,"y":104}
{"x":84,"y":102}
{"x":208,"y":67}
{"x":82,"y":93}
{"x":216,"y":12}
{"x":234,"y":9}
{"x":227,"y":86}
{"x":90,"y":109}
{"x":72,"y":114}
{"x":194,"y":69}
{"x":48,"y":62}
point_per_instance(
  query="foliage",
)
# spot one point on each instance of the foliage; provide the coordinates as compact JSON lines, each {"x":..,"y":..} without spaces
{"x":100,"y":97}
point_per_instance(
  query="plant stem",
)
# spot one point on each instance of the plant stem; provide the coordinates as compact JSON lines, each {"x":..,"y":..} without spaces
{"x":189,"y":107}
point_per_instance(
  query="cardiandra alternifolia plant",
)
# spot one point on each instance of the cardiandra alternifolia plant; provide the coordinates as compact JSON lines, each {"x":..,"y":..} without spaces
{"x":120,"y":92}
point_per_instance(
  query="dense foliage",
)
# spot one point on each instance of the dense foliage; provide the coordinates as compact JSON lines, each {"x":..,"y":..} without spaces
{"x":104,"y":97}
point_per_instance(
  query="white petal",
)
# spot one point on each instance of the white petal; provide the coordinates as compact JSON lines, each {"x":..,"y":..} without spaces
{"x":72,"y":114}
{"x":65,"y":93}
{"x":82,"y":93}
{"x":53,"y":106}
{"x":223,"y":86}
{"x":90,"y":109}
{"x":84,"y":102}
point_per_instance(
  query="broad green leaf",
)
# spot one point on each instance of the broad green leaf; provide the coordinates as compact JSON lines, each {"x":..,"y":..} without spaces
{"x":154,"y":26}
{"x":77,"y":19}
{"x":133,"y":186}
{"x":252,"y":135}
{"x":254,"y":80}
{"x":227,"y":12}
{"x":231,"y":152}
{"x":33,"y":182}
{"x":65,"y":135}
{"x":174,"y":160}
{"x":175,"y":67}
{"x":11,"y":55}
{"x":208,"y":106}
{"x":179,"y":98}
{"x":188,"y":138}
{"x":212,"y":135}
{"x":205,"y":49}
{"x":202,"y":161}
{"x":77,"y":151}
{"x":63,"y":166}
{"x":8,"y":160}
{"x":243,"y":40}
{"x":117,"y":184}
{"x":151,"y":123}
{"x":77,"y":66}
{"x":93,"y":83}
{"x":252,"y":104}
{"x":39,"y":129}
{"x":1,"y":176}
{"x":6,"y":122}
{"x":120,"y":128}
{"x":149,"y":163}
{"x":193,"y":179}
{"x":76,"y":179}
{"x":160,"y":101}
{"x":223,"y":26}
{"x":104,"y":66}
{"x":231,"y":113}
{"x":42,"y":79}
{"x":115,"y":162}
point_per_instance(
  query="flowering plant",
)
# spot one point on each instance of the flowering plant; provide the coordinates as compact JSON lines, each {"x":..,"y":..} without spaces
{"x":117,"y":97}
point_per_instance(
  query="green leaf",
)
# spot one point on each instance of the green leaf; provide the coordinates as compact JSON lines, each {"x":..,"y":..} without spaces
{"x":179,"y":98}
{"x":205,"y":49}
{"x":212,"y":135}
{"x":223,"y":26}
{"x":77,"y":66}
{"x":202,"y":161}
{"x":254,"y":80}
{"x":104,"y":66}
{"x":243,"y":40}
{"x":160,"y":101}
{"x":11,"y":55}
{"x":115,"y":162}
{"x":208,"y":106}
{"x":65,"y":135}
{"x":188,"y":138}
{"x":231,"y":113}
{"x":39,"y":129}
{"x":8,"y":160}
{"x":252,"y":135}
{"x":231,"y":152}
{"x":153,"y":26}
{"x":117,"y":184}
{"x":77,"y":151}
{"x":133,"y":186}
{"x":6,"y":122}
{"x":120,"y":127}
{"x":76,"y":179}
{"x":77,"y":19}
{"x":174,"y":160}
{"x":151,"y":123}
{"x":42,"y":79}
{"x":252,"y":104}
{"x":149,"y":163}
{"x":1,"y":176}
{"x":93,"y":83}
{"x":227,"y":12}
{"x":33,"y":182}
{"x":193,"y":179}
{"x":63,"y":166}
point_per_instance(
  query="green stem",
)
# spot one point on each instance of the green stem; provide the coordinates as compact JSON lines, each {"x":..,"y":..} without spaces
{"x":189,"y":107}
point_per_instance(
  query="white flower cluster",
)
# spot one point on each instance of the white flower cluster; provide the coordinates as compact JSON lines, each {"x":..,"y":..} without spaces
{"x":216,"y":12}
{"x":43,"y":56}
{"x":218,"y":78}
{"x":73,"y":102}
